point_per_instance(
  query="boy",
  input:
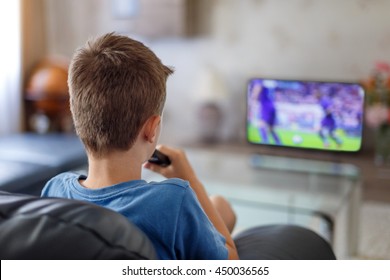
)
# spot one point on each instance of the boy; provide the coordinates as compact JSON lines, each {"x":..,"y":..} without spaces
{"x":117,"y":94}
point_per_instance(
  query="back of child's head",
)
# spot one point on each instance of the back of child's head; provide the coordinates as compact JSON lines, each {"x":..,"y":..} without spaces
{"x":115,"y":84}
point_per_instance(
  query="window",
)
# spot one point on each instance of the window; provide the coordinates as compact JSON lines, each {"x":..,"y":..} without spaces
{"x":10,"y":70}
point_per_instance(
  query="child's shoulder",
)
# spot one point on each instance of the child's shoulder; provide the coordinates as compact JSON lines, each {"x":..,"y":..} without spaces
{"x":57,"y":185}
{"x":173,"y":184}
{"x":64,"y":179}
{"x":169,"y":188}
{"x":70,"y":175}
{"x":169,"y":193}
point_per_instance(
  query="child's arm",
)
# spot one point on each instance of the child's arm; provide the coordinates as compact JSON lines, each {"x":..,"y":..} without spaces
{"x":181,"y":168}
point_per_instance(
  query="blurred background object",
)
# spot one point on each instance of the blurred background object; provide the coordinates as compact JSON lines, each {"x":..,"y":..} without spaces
{"x":377,"y":87}
{"x":10,"y":72}
{"x":47,"y":97}
{"x":210,"y":96}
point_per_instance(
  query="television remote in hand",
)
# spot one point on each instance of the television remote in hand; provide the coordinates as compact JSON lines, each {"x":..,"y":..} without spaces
{"x":160,"y":159}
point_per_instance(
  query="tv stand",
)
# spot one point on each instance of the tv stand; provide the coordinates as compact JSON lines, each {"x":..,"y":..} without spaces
{"x":303,"y":165}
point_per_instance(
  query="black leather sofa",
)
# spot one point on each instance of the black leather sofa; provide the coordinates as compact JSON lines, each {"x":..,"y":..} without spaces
{"x":51,"y":228}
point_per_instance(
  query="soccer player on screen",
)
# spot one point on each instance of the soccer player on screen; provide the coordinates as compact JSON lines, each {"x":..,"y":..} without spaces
{"x":267,"y":113}
{"x":328,"y":124}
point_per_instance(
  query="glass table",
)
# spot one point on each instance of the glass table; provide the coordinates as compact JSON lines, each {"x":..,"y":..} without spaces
{"x":322,"y":196}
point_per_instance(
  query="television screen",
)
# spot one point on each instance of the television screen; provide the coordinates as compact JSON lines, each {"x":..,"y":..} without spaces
{"x":305,"y":114}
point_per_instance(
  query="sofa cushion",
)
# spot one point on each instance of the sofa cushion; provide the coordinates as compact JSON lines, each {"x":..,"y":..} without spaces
{"x":57,"y":150}
{"x":28,"y":160}
{"x":23,"y":176}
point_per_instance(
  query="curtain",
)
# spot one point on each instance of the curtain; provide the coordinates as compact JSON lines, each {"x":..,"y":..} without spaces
{"x":10,"y":69}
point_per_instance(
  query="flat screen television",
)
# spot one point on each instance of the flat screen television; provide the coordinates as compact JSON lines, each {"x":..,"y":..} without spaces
{"x":305,"y":114}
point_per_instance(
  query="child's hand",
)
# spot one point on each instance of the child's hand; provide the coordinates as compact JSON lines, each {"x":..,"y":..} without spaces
{"x":180,"y":167}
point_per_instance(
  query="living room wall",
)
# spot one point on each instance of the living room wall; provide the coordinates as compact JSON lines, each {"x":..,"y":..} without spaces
{"x":308,"y":39}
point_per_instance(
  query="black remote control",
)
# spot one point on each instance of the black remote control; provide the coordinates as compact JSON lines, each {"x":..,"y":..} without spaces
{"x":160,"y":159}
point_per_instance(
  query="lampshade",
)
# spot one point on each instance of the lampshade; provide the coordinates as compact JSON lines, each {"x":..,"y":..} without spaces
{"x":209,"y":87}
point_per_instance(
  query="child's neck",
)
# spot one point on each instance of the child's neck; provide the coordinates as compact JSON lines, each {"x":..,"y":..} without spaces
{"x":112,"y":169}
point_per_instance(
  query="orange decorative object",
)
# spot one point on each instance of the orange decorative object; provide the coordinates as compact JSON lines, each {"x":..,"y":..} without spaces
{"x":47,"y":91}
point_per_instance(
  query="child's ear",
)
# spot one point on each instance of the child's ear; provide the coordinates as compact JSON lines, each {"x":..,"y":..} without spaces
{"x":151,"y":128}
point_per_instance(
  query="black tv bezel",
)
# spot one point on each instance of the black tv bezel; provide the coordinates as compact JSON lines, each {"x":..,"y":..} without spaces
{"x":294,"y":148}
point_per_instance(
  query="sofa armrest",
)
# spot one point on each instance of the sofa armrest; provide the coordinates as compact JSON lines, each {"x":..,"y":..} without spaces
{"x":53,"y":228}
